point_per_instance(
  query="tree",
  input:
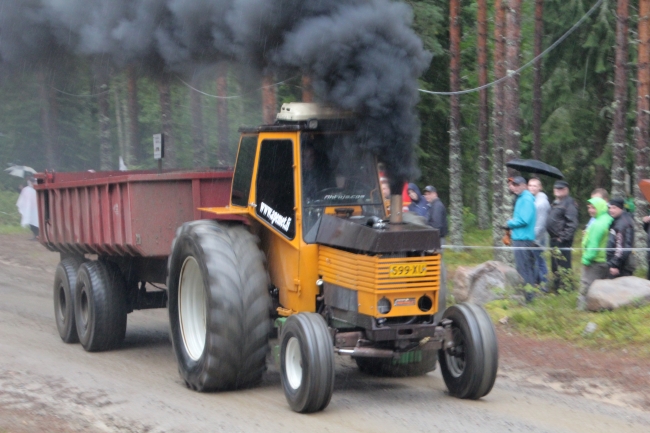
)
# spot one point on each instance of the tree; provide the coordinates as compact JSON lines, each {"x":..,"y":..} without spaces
{"x":223,"y":152}
{"x":102,"y":90}
{"x":498,"y":216}
{"x":134,"y":152}
{"x":537,"y":81}
{"x":269,"y":100}
{"x":483,"y":118}
{"x":196,"y":111}
{"x":642,"y":116}
{"x":164,"y":92}
{"x":48,"y":122}
{"x":455,"y":168}
{"x":511,"y":88}
{"x":619,"y":143}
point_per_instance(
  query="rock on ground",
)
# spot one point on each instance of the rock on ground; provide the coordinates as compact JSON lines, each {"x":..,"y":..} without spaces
{"x":485,"y":282}
{"x":617,"y":293}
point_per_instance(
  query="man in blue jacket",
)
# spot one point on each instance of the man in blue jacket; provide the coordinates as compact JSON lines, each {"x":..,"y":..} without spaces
{"x":522,"y":226}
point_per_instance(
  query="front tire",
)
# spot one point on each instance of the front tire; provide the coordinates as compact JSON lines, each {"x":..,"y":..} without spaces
{"x":219,"y":306}
{"x":65,"y":280}
{"x":100,"y":306}
{"x":469,"y":368}
{"x":307,"y":362}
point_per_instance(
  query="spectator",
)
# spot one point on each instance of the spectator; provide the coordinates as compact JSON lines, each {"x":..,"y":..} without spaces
{"x":27,"y":206}
{"x":542,"y":208}
{"x":600,"y":193}
{"x":419,"y":205}
{"x":621,"y":239}
{"x":437,"y":213}
{"x":561,"y":225}
{"x":594,"y":258}
{"x":522,"y":225}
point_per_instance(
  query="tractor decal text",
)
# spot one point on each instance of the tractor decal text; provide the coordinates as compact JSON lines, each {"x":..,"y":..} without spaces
{"x":275,"y":218}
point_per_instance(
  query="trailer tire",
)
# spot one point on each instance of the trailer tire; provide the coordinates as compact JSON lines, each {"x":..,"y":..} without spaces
{"x":219,"y":306}
{"x":100,"y":306}
{"x":468,"y":368}
{"x":384,"y":367}
{"x":307,"y":362}
{"x":65,"y":279}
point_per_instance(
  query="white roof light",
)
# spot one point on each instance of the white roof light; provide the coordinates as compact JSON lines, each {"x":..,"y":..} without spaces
{"x":296,"y":111}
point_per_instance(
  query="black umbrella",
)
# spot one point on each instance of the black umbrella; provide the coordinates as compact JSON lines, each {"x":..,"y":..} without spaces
{"x":535,"y":166}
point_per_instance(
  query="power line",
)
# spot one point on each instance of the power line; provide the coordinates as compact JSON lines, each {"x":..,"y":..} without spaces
{"x":511,"y":73}
{"x":235,"y":96}
{"x":80,"y":95}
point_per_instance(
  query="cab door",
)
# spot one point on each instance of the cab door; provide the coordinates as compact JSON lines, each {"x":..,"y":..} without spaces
{"x":276,"y":210}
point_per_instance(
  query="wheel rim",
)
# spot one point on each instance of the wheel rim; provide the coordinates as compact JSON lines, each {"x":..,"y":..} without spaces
{"x":192,"y":308}
{"x":62,"y":304}
{"x":293,"y":363}
{"x":455,"y":356}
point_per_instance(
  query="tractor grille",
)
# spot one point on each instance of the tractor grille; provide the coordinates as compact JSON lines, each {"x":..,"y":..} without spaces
{"x":373,"y":273}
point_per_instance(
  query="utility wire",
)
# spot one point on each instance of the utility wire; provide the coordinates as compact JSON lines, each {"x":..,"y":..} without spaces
{"x":511,"y":73}
{"x":79,"y":95}
{"x":235,"y":96}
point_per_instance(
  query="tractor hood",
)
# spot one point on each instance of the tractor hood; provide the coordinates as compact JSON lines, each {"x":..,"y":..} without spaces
{"x":358,"y":233}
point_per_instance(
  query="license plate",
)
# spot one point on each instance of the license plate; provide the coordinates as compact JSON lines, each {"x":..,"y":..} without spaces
{"x":408,"y":270}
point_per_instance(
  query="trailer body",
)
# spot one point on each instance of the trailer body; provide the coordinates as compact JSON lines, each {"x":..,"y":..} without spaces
{"x":130,"y":217}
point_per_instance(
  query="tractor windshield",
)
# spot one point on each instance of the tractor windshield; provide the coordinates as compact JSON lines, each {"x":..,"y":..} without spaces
{"x":338,"y":178}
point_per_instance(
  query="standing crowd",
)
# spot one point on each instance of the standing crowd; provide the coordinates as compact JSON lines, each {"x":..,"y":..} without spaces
{"x":536,"y":224}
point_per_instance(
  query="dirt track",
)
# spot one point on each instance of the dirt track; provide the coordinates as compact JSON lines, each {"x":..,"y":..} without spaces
{"x":46,"y":385}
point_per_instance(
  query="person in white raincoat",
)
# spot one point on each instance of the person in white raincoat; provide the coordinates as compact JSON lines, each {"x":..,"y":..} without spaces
{"x":28,"y":208}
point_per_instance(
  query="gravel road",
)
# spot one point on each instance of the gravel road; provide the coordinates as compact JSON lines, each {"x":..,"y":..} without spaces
{"x":49,"y":386}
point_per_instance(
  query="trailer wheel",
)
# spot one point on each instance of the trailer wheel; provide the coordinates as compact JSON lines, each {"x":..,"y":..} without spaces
{"x":392,"y":368}
{"x":469,"y":367}
{"x":219,"y":306}
{"x":100,"y":306}
{"x":65,"y":279}
{"x":307,"y":362}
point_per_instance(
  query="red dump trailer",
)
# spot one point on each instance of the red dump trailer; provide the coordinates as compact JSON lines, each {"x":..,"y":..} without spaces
{"x":116,"y":228}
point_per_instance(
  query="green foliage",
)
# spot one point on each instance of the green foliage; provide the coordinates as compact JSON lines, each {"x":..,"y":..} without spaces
{"x":556,"y":316}
{"x":9,"y":215}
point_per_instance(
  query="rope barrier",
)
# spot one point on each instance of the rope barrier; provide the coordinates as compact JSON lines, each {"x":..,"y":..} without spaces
{"x":489,"y":247}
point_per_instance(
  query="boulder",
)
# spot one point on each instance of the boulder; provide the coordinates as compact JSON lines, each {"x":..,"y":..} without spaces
{"x":486,"y":282}
{"x":616,"y":293}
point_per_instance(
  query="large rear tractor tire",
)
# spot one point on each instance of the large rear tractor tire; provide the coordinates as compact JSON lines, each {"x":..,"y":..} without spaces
{"x":394,"y":368}
{"x":65,"y":280}
{"x":469,"y":368}
{"x":307,"y":362}
{"x":100,"y":306}
{"x":219,"y":306}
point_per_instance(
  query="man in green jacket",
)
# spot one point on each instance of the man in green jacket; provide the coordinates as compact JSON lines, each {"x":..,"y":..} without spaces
{"x":594,"y":259}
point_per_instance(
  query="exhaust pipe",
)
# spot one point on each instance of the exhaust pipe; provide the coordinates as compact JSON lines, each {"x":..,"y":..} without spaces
{"x":396,"y":209}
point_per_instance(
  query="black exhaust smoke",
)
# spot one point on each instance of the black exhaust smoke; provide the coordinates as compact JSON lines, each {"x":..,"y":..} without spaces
{"x":361,"y":55}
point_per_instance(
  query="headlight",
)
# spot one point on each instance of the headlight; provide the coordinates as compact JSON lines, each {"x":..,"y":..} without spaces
{"x":383,"y":306}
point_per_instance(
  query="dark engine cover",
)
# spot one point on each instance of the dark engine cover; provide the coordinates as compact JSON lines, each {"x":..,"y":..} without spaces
{"x":356,"y":234}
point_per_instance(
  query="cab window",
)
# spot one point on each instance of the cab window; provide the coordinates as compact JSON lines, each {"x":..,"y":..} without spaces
{"x":241,"y":182}
{"x":275,"y":186}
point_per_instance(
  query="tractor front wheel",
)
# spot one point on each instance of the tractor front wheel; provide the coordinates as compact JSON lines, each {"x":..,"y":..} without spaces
{"x":307,"y":362}
{"x":469,"y":367}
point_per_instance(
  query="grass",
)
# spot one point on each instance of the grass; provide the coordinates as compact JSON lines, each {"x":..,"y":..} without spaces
{"x":555,"y":316}
{"x":9,"y":216}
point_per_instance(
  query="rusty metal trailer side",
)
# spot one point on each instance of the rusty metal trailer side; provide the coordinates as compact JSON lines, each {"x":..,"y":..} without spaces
{"x":124,"y":214}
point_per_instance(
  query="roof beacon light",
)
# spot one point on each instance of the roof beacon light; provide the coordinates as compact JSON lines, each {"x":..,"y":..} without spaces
{"x":311,"y":112}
